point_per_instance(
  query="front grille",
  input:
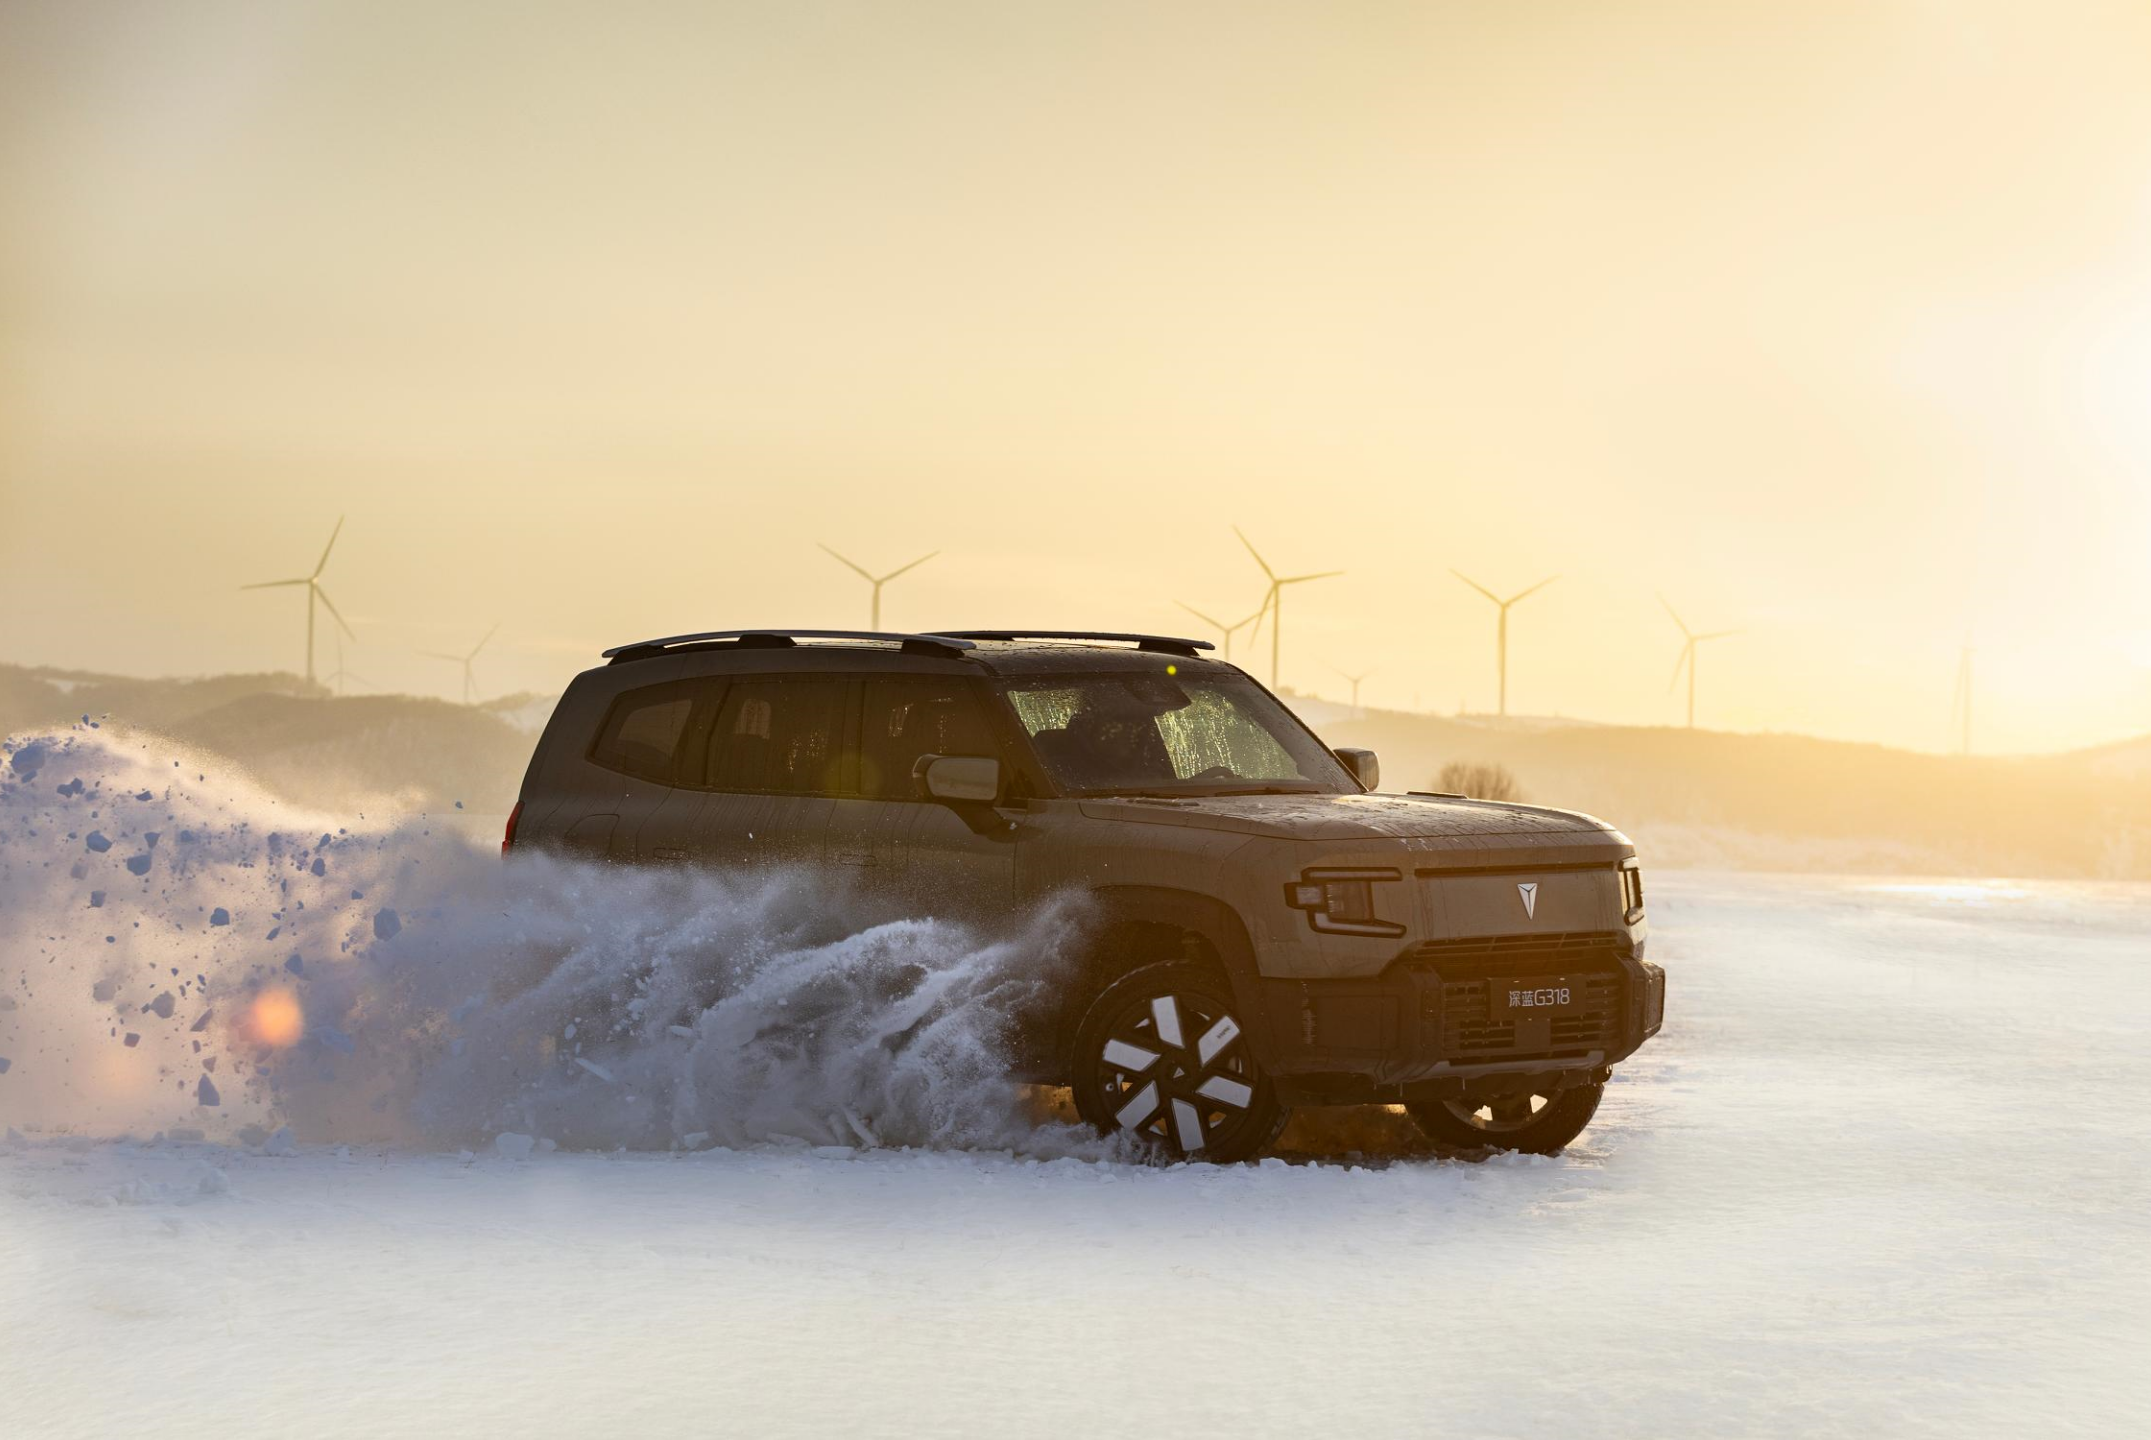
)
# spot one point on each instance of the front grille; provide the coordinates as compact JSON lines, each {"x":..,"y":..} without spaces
{"x":1461,"y":975}
{"x":1469,"y":1031}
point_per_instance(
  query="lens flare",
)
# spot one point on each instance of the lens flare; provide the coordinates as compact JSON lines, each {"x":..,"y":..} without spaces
{"x":274,"y":1020}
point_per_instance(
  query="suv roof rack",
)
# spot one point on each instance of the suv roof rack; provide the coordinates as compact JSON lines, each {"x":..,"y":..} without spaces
{"x":1160,"y":644}
{"x":946,"y":646}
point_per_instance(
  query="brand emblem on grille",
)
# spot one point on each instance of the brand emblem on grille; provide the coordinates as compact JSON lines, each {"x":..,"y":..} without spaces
{"x":1529,"y":889}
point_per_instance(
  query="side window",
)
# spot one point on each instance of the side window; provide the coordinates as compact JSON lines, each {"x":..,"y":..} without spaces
{"x":905,"y":719}
{"x":642,"y":731}
{"x":778,"y":736}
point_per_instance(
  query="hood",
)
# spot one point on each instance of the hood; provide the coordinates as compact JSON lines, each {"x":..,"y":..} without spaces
{"x":1363,"y":817}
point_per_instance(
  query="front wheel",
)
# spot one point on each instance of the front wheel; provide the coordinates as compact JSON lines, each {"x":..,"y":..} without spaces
{"x":1161,"y":1056}
{"x":1536,"y":1122}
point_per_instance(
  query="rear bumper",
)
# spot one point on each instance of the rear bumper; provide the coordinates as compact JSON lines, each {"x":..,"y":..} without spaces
{"x":1424,"y":1023}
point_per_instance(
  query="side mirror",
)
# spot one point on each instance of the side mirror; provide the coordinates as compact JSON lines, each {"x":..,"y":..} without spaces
{"x":959,"y":777}
{"x":1363,"y":765}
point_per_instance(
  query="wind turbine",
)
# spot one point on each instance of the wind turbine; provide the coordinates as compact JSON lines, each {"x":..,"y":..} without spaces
{"x":1273,"y":599}
{"x":1226,"y":632}
{"x":339,"y":674}
{"x":1501,"y":631}
{"x":313,"y":592}
{"x":1960,"y":701}
{"x":1355,"y":679}
{"x":877,"y":581}
{"x":470,"y":684}
{"x":1687,"y":654}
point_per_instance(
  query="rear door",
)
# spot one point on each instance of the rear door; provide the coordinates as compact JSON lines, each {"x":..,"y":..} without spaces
{"x":885,"y":837}
{"x":771,"y":765}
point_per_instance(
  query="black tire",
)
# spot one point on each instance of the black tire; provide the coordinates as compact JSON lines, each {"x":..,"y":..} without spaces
{"x":1544,"y":1130}
{"x":1161,"y":1056}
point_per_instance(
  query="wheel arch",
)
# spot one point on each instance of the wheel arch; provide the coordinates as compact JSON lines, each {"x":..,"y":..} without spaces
{"x":1136,"y":925}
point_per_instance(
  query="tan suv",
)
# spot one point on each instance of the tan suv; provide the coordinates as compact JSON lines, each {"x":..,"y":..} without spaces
{"x":1268,"y":930}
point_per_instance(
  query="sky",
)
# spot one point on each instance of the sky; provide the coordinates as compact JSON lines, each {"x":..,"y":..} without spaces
{"x":1829,"y":323}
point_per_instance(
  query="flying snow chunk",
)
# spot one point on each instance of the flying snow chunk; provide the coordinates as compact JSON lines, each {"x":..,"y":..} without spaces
{"x":162,"y":1006}
{"x":96,"y":841}
{"x":5,"y":1065}
{"x":97,"y":899}
{"x":143,"y":796}
{"x":514,"y":1146}
{"x":27,"y":761}
{"x":319,"y":868}
{"x":220,"y":916}
{"x":295,"y":965}
{"x":598,"y":1070}
{"x":139,"y":864}
{"x":280,"y":1143}
{"x":205,"y":1094}
{"x":387,"y":924}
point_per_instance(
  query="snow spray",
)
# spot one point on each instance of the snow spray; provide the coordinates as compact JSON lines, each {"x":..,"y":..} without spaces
{"x":181,"y":951}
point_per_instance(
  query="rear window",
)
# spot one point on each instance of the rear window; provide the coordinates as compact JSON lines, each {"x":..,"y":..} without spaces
{"x":780,"y":737}
{"x":642,"y":732}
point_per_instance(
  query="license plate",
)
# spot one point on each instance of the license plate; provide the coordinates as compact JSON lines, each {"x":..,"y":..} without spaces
{"x":1533,"y":996}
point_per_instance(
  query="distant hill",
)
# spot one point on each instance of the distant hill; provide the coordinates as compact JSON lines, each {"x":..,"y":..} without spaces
{"x":1702,"y":797}
{"x":1689,"y":798}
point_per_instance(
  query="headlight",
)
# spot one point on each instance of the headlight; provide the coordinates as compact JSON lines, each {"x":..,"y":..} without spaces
{"x":1341,"y":902}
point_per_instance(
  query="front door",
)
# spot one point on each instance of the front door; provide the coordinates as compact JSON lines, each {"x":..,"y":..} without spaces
{"x":883,"y":836}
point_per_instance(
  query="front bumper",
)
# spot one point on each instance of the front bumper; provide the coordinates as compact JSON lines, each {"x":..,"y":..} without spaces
{"x":1426,"y":1017}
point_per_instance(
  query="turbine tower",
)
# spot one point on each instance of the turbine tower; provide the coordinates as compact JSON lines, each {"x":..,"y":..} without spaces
{"x":1273,"y":600}
{"x":877,"y":581}
{"x":1225,"y":632}
{"x":470,"y":683}
{"x":340,"y":674}
{"x":313,"y":592}
{"x":1960,"y":702}
{"x":1355,"y":679}
{"x":1687,"y":654}
{"x":1501,"y":630}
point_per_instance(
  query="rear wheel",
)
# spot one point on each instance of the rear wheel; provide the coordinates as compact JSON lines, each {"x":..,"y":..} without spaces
{"x":1535,"y":1121}
{"x":1161,"y":1056}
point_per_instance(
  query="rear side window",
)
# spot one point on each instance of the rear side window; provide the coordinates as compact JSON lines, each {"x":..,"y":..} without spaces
{"x":642,"y":732}
{"x":780,"y":737}
{"x":905,"y":719}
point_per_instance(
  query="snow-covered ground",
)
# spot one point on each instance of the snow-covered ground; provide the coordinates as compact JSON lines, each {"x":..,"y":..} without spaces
{"x":1884,"y":1174}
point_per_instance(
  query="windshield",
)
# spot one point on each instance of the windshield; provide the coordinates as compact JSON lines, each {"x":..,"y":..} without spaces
{"x":1155,"y":734}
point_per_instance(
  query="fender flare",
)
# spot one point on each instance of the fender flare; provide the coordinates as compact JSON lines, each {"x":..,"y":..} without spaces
{"x":1216,"y":921}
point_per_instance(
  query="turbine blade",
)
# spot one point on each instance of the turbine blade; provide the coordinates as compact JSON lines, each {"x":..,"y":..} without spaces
{"x":1522,"y":594}
{"x":1686,"y":651}
{"x":273,"y":584}
{"x":327,"y":548}
{"x":324,"y":598}
{"x":1256,"y":553}
{"x":1206,"y":619}
{"x":1676,"y":617}
{"x":856,"y":567}
{"x":1298,"y":579}
{"x":481,"y":644}
{"x":1476,"y":585}
{"x":912,"y":566}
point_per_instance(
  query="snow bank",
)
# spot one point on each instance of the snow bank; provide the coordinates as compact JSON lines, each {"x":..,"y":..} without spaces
{"x":176,"y":950}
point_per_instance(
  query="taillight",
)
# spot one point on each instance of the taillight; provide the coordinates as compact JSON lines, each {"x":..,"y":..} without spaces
{"x":508,"y":837}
